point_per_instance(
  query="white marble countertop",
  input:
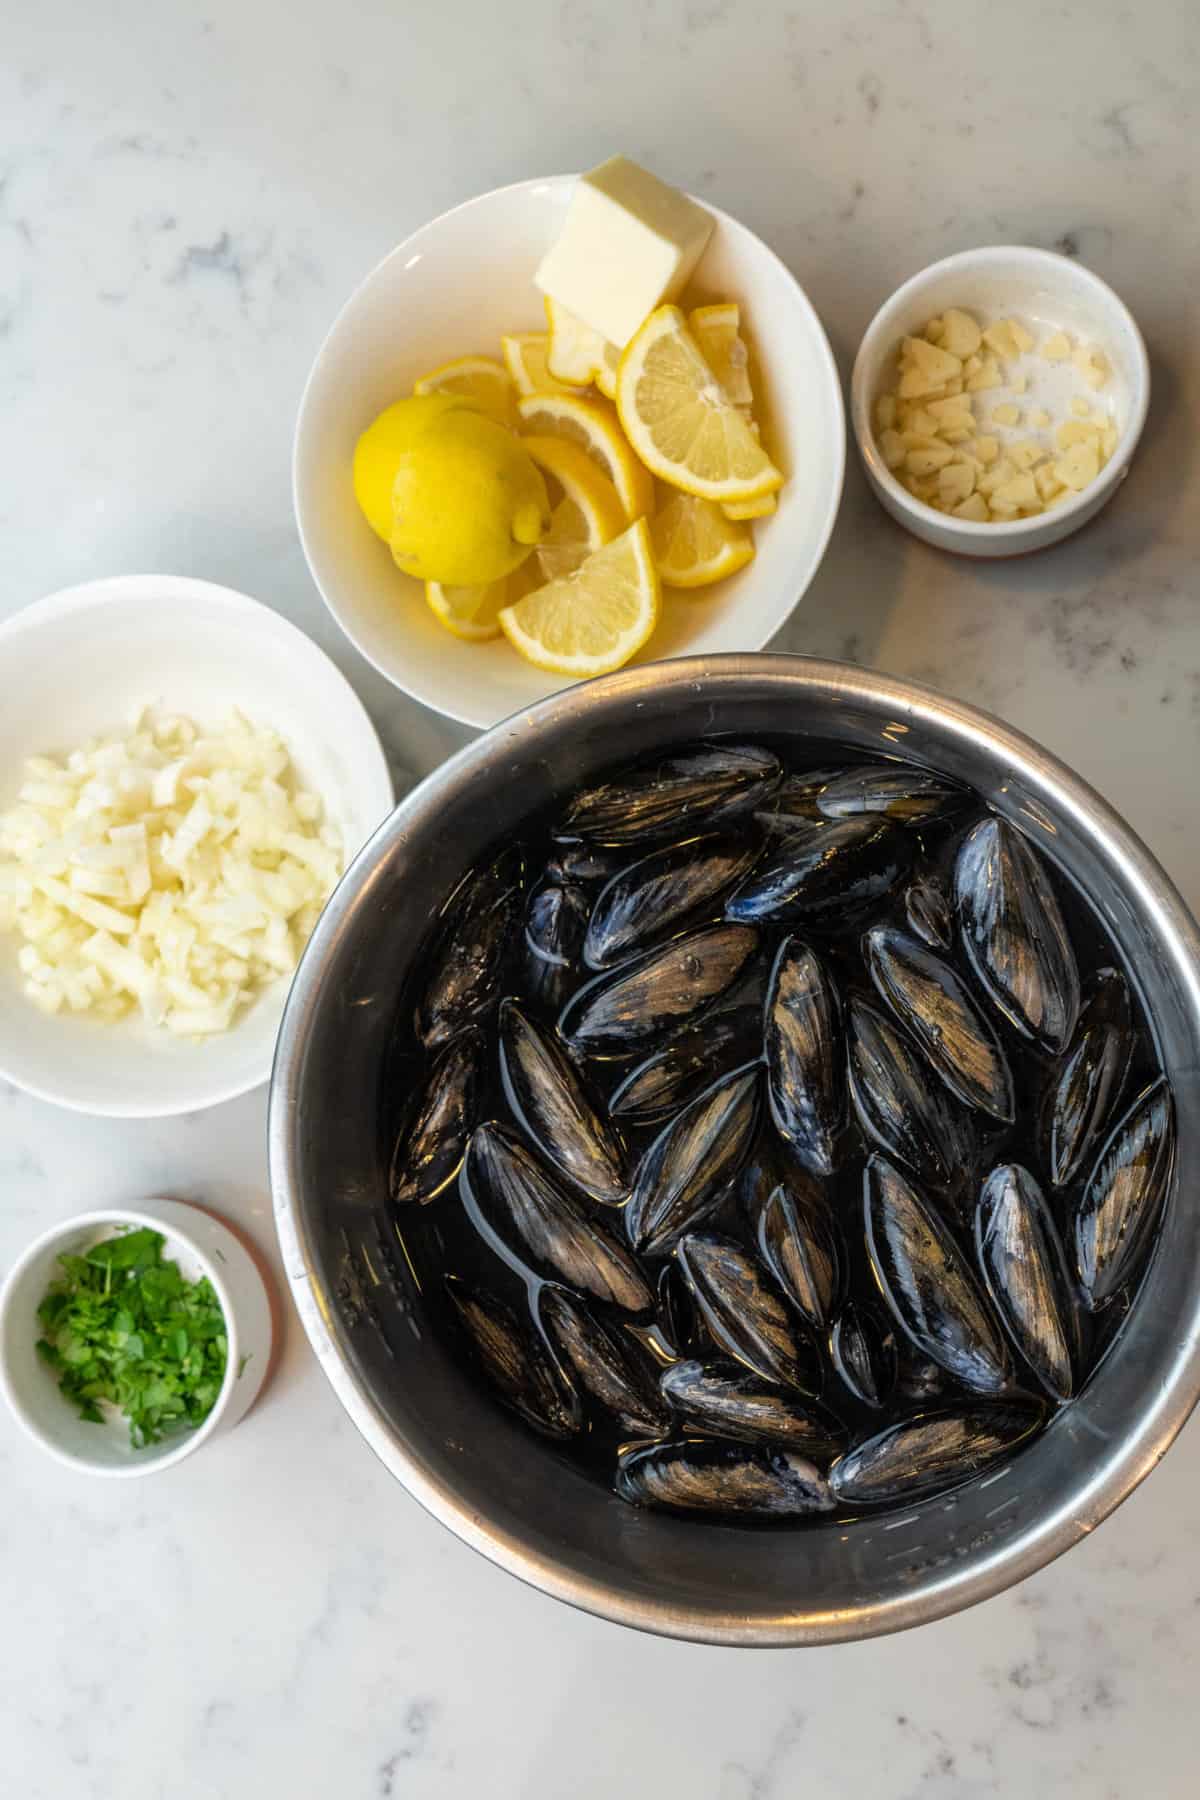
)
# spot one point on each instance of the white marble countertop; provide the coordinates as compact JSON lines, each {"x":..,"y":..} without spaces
{"x":187,"y":192}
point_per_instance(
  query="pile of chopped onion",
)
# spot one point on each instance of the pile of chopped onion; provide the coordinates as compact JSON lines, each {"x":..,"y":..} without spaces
{"x":173,"y":870}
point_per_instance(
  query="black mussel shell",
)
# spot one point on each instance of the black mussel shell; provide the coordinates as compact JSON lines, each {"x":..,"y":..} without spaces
{"x":722,"y":1477}
{"x":905,"y":794}
{"x":675,"y":1312}
{"x":665,"y":798}
{"x":550,"y":1102}
{"x":432,"y":1142}
{"x":1093,"y":1074}
{"x":515,"y":1362}
{"x":927,"y":996}
{"x":555,"y":923}
{"x":927,"y":911}
{"x":621,"y":1013}
{"x":744,"y":1312}
{"x":692,"y":1162}
{"x":834,"y":871}
{"x":927,"y":1282}
{"x":793,"y":805}
{"x":605,"y":1362}
{"x":476,"y":932}
{"x":1123,"y":1197}
{"x":929,"y":1453}
{"x":900,"y":1104}
{"x":863,"y":1353}
{"x":661,"y":894}
{"x":800,"y":1241}
{"x":1023,"y":1263}
{"x":551,"y":1229}
{"x":803,"y":1047}
{"x":586,"y":864}
{"x":661,"y":1086}
{"x":1013,"y":932}
{"x":724,"y":1397}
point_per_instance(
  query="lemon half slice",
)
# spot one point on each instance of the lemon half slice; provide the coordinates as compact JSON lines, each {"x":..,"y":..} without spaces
{"x":526,"y":356}
{"x":695,"y":544}
{"x":594,"y":620}
{"x":471,"y":613}
{"x":681,"y":421}
{"x":717,"y":330}
{"x":479,"y":380}
{"x":587,"y":515}
{"x":750,"y":509}
{"x":577,"y":351}
{"x":594,"y":426}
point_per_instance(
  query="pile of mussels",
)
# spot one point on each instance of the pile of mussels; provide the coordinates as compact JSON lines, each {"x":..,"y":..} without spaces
{"x":783,"y":1147}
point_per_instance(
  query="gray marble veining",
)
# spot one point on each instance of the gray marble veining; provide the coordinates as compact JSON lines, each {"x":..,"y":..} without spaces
{"x":187,"y":192}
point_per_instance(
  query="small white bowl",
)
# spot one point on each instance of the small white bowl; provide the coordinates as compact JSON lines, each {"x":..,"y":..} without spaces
{"x":1048,"y":293}
{"x":80,"y":663}
{"x":202,"y":1245}
{"x":453,"y":289}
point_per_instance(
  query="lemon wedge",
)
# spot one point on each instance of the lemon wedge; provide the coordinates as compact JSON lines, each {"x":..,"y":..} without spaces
{"x":605,"y":375}
{"x":695,"y":544}
{"x":526,"y":356}
{"x":471,"y":613}
{"x":594,"y":426}
{"x":680,"y":420}
{"x":588,"y":513}
{"x":594,"y":620}
{"x":577,"y":352}
{"x":479,"y":380}
{"x":717,"y":330}
{"x":750,"y":509}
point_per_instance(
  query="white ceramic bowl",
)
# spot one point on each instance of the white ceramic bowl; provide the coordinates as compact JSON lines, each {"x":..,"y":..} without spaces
{"x":1048,"y":293}
{"x":454,"y":288}
{"x":202,"y":1245}
{"x":79,"y":663}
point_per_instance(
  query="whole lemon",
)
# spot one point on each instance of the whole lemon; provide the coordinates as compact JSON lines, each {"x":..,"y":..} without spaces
{"x":468,"y":503}
{"x":378,"y":451}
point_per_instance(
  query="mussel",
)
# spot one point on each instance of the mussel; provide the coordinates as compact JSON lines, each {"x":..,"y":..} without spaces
{"x":431,"y":1144}
{"x":1014,"y":934}
{"x":661,"y":799}
{"x":927,"y":911}
{"x":667,"y":890}
{"x":551,"y":1103}
{"x":927,"y":1282}
{"x":901,"y":792}
{"x":516,"y":1364}
{"x":551,"y":1229}
{"x":1124,"y":1193}
{"x":722,"y":1477}
{"x":823,"y":875}
{"x":899,"y":1107}
{"x":1025,"y":1269}
{"x":618,"y":1014}
{"x":800,"y":1243}
{"x":863,"y":1352}
{"x":477,"y":929}
{"x":604,"y":1361}
{"x":668,"y":1079}
{"x":929,"y":1453}
{"x":803,"y":1049}
{"x":555,"y":923}
{"x":1093,"y":1074}
{"x":745,"y":1313}
{"x":691,"y":1163}
{"x":926,"y":995}
{"x":726,"y":1398}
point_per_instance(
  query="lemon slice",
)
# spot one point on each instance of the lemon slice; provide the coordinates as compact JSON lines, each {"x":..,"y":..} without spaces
{"x":750,"y":509}
{"x":471,"y":613}
{"x":481,"y":381}
{"x":680,"y":420}
{"x":593,"y":425}
{"x":588,"y":514}
{"x":695,"y":544}
{"x":605,"y":375}
{"x":526,"y":354}
{"x":717,"y":330}
{"x":577,"y":351}
{"x":593,"y":621}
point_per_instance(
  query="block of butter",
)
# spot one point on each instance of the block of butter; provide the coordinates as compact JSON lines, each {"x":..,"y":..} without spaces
{"x":628,"y":243}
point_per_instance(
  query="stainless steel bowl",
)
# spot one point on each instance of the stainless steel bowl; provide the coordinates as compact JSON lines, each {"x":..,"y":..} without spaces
{"x":477,"y":1469}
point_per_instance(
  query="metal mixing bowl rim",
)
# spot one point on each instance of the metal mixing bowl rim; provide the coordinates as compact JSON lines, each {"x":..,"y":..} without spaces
{"x":948,"y":1590}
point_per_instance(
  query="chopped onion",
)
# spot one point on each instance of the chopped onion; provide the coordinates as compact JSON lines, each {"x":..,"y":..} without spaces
{"x":173,"y":870}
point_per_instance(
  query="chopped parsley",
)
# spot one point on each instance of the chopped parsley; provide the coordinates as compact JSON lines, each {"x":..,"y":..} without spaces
{"x":123,"y":1325}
